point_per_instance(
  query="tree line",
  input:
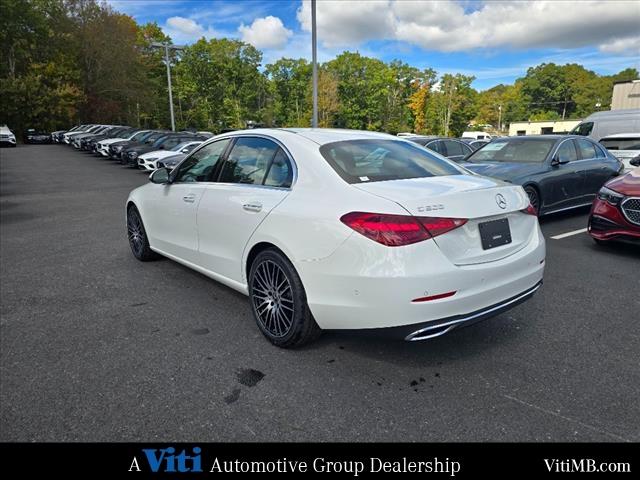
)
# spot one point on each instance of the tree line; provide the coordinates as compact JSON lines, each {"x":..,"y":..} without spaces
{"x":70,"y":61}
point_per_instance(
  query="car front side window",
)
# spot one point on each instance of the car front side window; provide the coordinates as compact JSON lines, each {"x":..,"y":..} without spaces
{"x":567,"y":152}
{"x":200,"y":166}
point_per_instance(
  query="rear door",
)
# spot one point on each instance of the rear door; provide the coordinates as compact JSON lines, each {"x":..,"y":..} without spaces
{"x":256,"y":176}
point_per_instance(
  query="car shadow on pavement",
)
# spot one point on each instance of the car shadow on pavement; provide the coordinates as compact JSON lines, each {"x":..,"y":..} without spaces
{"x":559,"y":217}
{"x":462,"y":343}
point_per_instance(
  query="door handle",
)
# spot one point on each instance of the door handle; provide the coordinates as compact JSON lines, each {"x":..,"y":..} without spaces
{"x":191,"y":198}
{"x":252,"y":207}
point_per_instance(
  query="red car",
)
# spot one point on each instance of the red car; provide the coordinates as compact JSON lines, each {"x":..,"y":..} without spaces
{"x":615,"y":213}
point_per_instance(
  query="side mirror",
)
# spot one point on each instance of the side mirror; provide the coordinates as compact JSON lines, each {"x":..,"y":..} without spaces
{"x":555,"y":161}
{"x":160,"y":176}
{"x":635,"y":161}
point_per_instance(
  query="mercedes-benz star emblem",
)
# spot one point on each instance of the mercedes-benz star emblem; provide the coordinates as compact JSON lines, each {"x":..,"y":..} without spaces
{"x":501,"y":201}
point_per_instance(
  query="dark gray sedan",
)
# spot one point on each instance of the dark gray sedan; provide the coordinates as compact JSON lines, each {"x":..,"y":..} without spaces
{"x":558,"y":172}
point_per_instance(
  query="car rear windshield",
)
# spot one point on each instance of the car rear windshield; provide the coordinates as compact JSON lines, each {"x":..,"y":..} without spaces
{"x":520,"y":150}
{"x":360,"y":161}
{"x":621,"y":143}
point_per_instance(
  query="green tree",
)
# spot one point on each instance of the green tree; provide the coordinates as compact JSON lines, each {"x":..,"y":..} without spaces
{"x":289,"y":80}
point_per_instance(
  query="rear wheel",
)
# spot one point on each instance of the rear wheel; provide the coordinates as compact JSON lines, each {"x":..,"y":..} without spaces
{"x":137,"y":235}
{"x":279,"y":302}
{"x":534,"y":198}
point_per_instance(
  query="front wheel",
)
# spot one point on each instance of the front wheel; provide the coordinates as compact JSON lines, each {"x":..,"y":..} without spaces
{"x":534,"y":198}
{"x":279,"y":302}
{"x":137,"y":235}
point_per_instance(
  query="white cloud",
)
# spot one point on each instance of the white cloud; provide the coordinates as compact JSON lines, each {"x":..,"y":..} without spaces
{"x":267,"y":32}
{"x":344,"y":23}
{"x":447,"y":26}
{"x":623,"y":46}
{"x":186,"y":30}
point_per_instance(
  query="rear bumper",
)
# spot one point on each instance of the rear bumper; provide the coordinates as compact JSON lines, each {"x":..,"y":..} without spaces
{"x":364,"y":285}
{"x":429,"y":330}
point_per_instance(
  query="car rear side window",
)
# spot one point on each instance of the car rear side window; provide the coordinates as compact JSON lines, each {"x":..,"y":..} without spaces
{"x":621,"y":143}
{"x":371,"y":160}
{"x":280,"y":172}
{"x":249,"y":160}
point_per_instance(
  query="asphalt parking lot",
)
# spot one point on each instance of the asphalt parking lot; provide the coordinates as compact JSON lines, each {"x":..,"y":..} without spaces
{"x":96,"y":346}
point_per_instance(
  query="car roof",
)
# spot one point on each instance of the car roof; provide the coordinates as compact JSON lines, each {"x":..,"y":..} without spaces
{"x":536,"y":137}
{"x":320,"y":136}
{"x":428,"y":137}
{"x":614,"y":113}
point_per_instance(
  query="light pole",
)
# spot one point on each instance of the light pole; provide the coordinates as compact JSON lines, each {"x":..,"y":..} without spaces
{"x":314,"y":61}
{"x":500,"y":118}
{"x":168,"y":47}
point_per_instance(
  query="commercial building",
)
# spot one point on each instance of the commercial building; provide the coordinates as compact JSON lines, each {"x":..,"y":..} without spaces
{"x":626,"y":95}
{"x":542,"y":127}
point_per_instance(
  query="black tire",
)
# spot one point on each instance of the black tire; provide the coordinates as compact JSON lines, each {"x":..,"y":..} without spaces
{"x":534,"y":198}
{"x":279,"y":302}
{"x":137,"y":237}
{"x":599,"y":242}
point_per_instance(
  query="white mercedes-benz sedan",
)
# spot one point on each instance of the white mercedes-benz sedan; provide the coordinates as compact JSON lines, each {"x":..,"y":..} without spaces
{"x":340,"y":229}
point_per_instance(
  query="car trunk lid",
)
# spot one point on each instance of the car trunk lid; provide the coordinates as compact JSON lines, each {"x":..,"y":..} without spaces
{"x":477,"y":199}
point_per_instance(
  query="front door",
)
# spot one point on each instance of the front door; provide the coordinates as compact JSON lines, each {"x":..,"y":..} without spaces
{"x":173,"y":225}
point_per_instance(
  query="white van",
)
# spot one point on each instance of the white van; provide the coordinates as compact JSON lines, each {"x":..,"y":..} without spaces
{"x":477,"y":135}
{"x":602,"y":124}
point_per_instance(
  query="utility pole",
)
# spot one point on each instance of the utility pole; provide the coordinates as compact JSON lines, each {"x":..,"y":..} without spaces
{"x":500,"y":118}
{"x":168,"y":47}
{"x":314,"y":61}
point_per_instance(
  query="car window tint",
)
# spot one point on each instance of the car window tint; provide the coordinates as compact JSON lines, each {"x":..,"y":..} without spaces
{"x":587,"y":149}
{"x":567,"y":152}
{"x":454,"y":148}
{"x":199,"y":166}
{"x":280,"y":172}
{"x":621,"y":143}
{"x":370,"y":160}
{"x":437,"y":146}
{"x":583,"y":129}
{"x":248,"y":161}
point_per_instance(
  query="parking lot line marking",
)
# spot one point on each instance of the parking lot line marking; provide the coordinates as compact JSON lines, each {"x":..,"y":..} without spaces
{"x":569,"y":234}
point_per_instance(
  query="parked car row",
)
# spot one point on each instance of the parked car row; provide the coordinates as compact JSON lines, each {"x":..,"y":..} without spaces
{"x":137,"y":148}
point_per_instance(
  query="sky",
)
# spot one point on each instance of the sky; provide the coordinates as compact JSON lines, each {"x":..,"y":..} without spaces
{"x":495,"y":41}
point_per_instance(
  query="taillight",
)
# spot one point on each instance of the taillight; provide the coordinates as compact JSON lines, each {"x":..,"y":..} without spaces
{"x":398,"y":230}
{"x":437,"y":226}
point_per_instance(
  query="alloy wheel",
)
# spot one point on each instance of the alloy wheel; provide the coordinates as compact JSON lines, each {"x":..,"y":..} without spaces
{"x":272,"y":298}
{"x":136,"y":233}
